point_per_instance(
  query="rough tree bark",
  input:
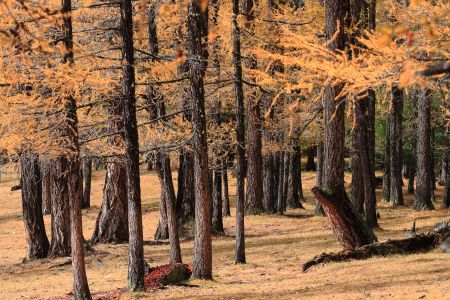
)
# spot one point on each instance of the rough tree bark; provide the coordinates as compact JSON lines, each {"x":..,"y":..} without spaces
{"x":387,"y":162}
{"x":253,"y":201}
{"x":74,"y":181}
{"x":87,"y":176}
{"x":226,"y":194}
{"x":348,"y":226}
{"x":197,"y":62}
{"x":268,"y":183}
{"x":423,"y":185}
{"x":60,"y":211}
{"x":294,"y":190}
{"x":112,"y":221}
{"x":319,"y":176}
{"x":333,"y":172}
{"x":37,"y":240}
{"x":135,"y":244}
{"x":46,"y":188}
{"x":240,"y":136}
{"x":396,"y":144}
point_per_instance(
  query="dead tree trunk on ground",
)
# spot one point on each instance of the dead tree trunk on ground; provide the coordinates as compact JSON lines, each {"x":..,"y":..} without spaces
{"x":420,"y":243}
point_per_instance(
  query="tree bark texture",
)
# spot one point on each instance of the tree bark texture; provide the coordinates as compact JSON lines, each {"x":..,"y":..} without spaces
{"x":135,"y":244}
{"x":197,"y":36}
{"x":348,"y":226}
{"x":37,"y":241}
{"x":310,"y":165}
{"x":423,"y":185}
{"x":387,"y":162}
{"x":226,"y":194}
{"x":396,"y":144}
{"x":319,"y":182}
{"x":240,"y":136}
{"x":46,"y":188}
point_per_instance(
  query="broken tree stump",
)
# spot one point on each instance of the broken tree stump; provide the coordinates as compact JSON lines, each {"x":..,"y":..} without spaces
{"x":349,"y":227}
{"x":419,"y":243}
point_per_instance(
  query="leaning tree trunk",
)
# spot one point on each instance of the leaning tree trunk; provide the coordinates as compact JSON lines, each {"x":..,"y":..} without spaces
{"x":348,"y":226}
{"x":87,"y":176}
{"x":46,"y":188}
{"x":131,"y":141}
{"x":423,"y":185}
{"x":60,"y":211}
{"x":319,"y":176}
{"x":197,"y":37}
{"x":37,"y":241}
{"x":396,"y":144}
{"x":112,"y":221}
{"x":240,"y":136}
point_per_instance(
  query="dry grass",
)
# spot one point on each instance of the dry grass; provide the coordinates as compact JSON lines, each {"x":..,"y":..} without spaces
{"x":276,"y":247}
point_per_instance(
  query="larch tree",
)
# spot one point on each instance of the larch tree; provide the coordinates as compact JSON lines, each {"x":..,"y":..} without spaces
{"x":197,"y":25}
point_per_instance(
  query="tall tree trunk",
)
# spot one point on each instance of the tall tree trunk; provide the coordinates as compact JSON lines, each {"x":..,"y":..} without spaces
{"x":319,"y":179}
{"x":280,"y":183}
{"x":387,"y":162}
{"x":287,"y":156}
{"x":37,"y":240}
{"x":226,"y":195}
{"x":268,"y":183}
{"x":240,"y":136}
{"x":333,"y":172}
{"x":217,"y":221}
{"x":186,"y":192}
{"x":396,"y":144}
{"x":423,"y":186}
{"x":364,"y":197}
{"x":293,"y":199}
{"x":74,"y":180}
{"x":432,"y":175}
{"x":446,"y":198}
{"x":253,"y":201}
{"x":197,"y":36}
{"x":310,"y":165}
{"x":87,"y":176}
{"x":60,"y":211}
{"x":162,"y":164}
{"x":135,"y":244}
{"x":46,"y":188}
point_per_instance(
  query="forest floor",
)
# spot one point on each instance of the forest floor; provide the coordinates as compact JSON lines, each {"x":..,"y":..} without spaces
{"x":276,"y":246}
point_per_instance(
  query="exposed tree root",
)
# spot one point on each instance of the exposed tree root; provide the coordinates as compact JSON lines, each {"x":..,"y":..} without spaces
{"x":419,"y":243}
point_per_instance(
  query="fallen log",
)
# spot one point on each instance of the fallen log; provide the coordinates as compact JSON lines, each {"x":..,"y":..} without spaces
{"x":349,"y":227}
{"x":416,"y":244}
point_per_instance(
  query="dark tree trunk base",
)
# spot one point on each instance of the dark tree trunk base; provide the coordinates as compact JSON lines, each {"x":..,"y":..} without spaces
{"x":420,"y":243}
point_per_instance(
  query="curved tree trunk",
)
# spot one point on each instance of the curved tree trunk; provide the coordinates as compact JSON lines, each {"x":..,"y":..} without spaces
{"x":423,"y":186}
{"x":112,"y":220}
{"x":396,"y":144}
{"x":348,"y":226}
{"x":37,"y":240}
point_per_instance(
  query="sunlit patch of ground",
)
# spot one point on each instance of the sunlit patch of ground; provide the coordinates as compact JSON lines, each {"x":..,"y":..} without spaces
{"x":276,"y":247}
